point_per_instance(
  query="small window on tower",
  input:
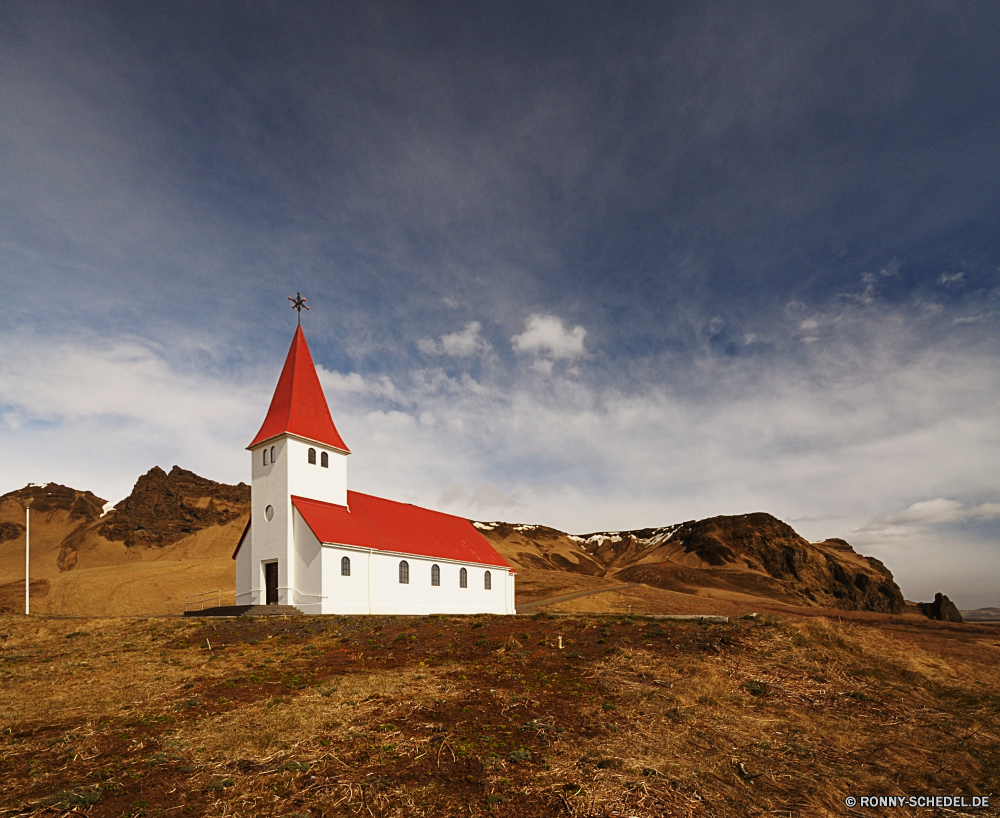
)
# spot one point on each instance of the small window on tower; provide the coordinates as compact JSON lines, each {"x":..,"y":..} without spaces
{"x":435,"y":575}
{"x":272,"y":454}
{"x":312,"y":456}
{"x":404,"y":573}
{"x":487,"y":581}
{"x":265,"y":456}
{"x":463,"y":579}
{"x":345,"y":567}
{"x":324,"y":460}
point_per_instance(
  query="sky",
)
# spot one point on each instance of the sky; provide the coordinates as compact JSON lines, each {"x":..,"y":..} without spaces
{"x":595,"y":266}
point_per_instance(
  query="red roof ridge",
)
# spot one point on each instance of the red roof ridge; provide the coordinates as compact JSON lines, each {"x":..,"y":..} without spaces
{"x":298,"y":406}
{"x":403,"y":528}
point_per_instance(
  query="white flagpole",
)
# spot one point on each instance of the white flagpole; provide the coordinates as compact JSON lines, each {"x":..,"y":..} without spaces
{"x":27,"y":560}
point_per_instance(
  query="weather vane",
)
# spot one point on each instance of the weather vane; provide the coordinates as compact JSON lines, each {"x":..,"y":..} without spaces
{"x":297,"y":304}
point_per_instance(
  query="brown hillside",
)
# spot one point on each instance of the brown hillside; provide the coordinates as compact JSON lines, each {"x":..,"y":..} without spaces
{"x":743,"y":557}
{"x":173,"y":536}
{"x":57,"y":512}
{"x":536,"y":546}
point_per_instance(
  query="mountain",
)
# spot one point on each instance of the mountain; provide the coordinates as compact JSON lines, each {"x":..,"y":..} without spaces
{"x":164,"y":508}
{"x":981,"y":615}
{"x":745,"y":556}
{"x":172,"y":536}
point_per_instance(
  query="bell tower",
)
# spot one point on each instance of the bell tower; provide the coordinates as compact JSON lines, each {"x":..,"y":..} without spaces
{"x":298,"y":451}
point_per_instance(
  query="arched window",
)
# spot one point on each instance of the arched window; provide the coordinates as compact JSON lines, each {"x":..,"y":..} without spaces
{"x":324,"y":460}
{"x":265,"y":455}
{"x":435,"y":575}
{"x":463,"y":579}
{"x":272,"y":454}
{"x":487,"y":581}
{"x":404,"y":572}
{"x":312,"y":457}
{"x":345,"y":566}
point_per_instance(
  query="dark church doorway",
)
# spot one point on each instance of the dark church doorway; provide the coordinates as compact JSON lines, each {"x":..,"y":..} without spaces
{"x":271,"y":583}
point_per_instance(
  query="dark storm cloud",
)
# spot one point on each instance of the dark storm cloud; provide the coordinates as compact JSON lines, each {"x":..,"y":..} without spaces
{"x":724,"y":157}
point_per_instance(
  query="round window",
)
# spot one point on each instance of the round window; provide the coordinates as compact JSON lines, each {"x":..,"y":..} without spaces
{"x":269,"y":513}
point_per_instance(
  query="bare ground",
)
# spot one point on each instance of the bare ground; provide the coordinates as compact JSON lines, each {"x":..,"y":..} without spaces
{"x":440,"y":716}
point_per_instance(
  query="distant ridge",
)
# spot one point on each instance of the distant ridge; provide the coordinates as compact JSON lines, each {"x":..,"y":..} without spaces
{"x":174,"y":535}
{"x":749,"y":555}
{"x":981,"y":615}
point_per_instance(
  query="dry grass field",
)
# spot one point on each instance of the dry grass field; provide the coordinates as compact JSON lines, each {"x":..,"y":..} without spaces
{"x":487,"y":716}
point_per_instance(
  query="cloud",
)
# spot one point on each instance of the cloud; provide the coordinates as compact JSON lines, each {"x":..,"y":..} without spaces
{"x":96,"y":414}
{"x":952,"y":279}
{"x":353,"y":382}
{"x":942,"y":510}
{"x":131,"y":380}
{"x":462,"y":344}
{"x":916,"y":521}
{"x":547,"y":336}
{"x":483,"y":496}
{"x":975,"y":319}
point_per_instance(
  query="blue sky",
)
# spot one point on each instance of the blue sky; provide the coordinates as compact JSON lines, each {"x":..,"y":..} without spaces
{"x":596,"y":266}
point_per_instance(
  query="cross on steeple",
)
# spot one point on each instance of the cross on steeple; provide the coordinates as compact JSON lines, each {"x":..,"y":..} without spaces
{"x":297,"y":304}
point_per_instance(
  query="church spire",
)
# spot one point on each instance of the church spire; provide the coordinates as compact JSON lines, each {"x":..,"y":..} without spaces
{"x":299,"y":407}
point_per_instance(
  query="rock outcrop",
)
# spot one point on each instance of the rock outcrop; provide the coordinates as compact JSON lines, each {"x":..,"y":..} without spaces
{"x":750,"y":554}
{"x":759,"y":551}
{"x":941,"y":609}
{"x":164,"y":508}
{"x":83,"y":506}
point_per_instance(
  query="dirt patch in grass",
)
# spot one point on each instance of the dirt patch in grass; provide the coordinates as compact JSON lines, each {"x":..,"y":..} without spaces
{"x":439,"y":716}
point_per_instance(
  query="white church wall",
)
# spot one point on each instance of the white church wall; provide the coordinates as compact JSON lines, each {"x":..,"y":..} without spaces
{"x":244,"y":570}
{"x":272,"y":539}
{"x":345,"y":594}
{"x":308,"y":593}
{"x":313,"y":480}
{"x":418,"y":596}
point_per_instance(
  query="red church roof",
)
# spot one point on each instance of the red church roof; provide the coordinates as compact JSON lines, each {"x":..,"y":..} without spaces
{"x":385,"y":525}
{"x":299,"y":406}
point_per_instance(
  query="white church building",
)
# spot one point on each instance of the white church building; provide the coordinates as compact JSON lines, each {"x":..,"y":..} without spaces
{"x":314,"y":544}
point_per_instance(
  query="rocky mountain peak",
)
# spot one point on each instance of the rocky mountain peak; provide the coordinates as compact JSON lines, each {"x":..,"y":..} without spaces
{"x":165,"y":507}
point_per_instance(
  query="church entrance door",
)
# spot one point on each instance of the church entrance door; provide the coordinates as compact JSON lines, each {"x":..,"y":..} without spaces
{"x":271,"y":583}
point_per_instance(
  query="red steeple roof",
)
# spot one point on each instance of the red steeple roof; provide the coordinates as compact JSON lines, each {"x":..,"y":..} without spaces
{"x":299,"y":406}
